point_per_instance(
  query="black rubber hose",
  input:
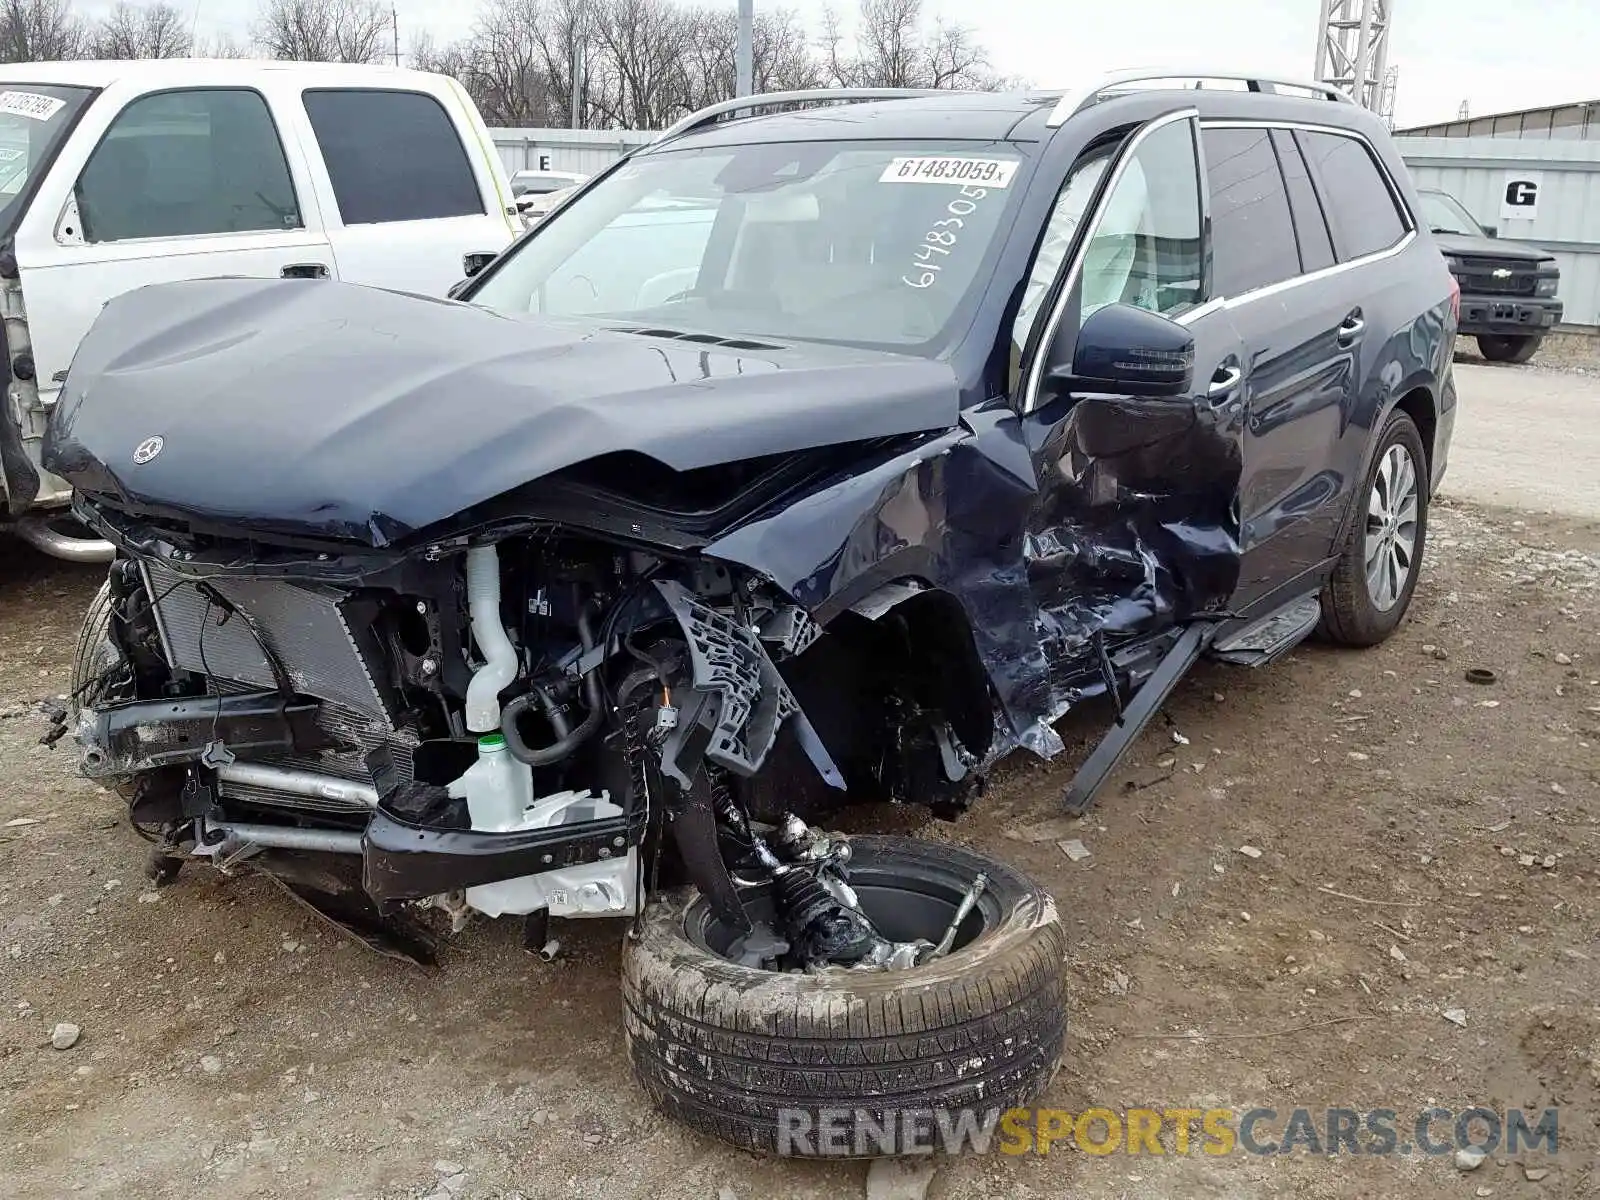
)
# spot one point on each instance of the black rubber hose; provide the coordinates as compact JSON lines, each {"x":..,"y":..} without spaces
{"x":566,"y":741}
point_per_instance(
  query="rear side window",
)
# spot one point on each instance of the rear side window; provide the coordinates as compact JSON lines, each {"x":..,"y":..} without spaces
{"x":1310,"y":226}
{"x":181,"y":164}
{"x":1252,"y":234}
{"x":392,"y":156}
{"x":1360,"y":206}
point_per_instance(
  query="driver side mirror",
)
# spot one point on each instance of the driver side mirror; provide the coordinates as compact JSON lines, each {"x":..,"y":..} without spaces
{"x":471,"y":263}
{"x":1126,"y":351}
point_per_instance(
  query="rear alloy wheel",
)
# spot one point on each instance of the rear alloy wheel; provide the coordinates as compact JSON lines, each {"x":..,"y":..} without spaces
{"x":1370,"y":588}
{"x":1508,"y":348}
{"x":771,"y":1061}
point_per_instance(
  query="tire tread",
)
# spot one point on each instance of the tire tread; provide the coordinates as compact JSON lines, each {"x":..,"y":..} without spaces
{"x":723,"y":1048}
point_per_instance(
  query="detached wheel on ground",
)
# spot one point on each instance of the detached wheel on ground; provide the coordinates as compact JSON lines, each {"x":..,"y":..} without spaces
{"x":762,"y":1059}
{"x":1507,"y":348}
{"x":1370,"y":588}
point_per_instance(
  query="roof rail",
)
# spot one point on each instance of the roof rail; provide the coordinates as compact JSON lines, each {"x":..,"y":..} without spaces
{"x":711,"y":112}
{"x":1074,"y":101}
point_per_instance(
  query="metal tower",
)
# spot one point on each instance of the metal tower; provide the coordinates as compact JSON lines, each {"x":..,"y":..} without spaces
{"x":1353,"y":47}
{"x":1387,"y":97}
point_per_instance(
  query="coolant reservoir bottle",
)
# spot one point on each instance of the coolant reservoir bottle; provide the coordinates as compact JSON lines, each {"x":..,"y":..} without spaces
{"x":497,"y":788}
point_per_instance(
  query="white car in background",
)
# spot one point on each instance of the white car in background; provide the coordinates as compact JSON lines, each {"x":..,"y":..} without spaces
{"x":533,"y":209}
{"x":538,"y":192}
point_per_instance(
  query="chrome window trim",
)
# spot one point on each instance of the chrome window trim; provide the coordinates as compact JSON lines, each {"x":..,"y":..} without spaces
{"x":1273,"y":289}
{"x":1030,"y":391}
{"x":1407,"y":217}
{"x":1229,"y":303}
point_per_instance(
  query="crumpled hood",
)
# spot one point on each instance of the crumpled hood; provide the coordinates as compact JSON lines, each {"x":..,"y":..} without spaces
{"x":337,"y":410}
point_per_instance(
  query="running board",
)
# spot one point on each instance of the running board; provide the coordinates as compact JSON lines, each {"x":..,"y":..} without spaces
{"x":1174,"y":665}
{"x":1270,"y":638}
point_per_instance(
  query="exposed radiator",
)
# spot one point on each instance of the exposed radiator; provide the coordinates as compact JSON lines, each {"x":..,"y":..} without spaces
{"x":317,"y":642}
{"x":306,"y":626}
{"x":352,"y":729}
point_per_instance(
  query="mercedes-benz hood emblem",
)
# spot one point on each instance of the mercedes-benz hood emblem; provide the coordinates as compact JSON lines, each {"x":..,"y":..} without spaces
{"x":148,"y":449}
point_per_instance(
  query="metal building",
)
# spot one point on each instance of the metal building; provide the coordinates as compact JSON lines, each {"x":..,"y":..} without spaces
{"x":1563,"y":122}
{"x":582,"y":150}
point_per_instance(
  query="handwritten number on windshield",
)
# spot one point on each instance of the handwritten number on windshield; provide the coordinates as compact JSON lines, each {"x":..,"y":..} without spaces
{"x":937,"y":243}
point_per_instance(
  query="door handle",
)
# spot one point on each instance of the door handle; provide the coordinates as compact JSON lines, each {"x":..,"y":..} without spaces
{"x":1224,"y":382}
{"x":1351,"y":329}
{"x":311,"y":270}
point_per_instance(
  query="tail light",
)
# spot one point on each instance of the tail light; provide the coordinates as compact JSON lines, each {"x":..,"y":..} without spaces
{"x":1455,"y":299}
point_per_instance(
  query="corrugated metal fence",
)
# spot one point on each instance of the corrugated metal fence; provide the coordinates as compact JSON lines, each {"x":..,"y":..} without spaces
{"x":1477,"y":171}
{"x":582,"y":150}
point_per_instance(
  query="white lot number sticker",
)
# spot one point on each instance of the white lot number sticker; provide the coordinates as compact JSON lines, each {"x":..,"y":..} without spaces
{"x":30,"y":104}
{"x":985,"y":172}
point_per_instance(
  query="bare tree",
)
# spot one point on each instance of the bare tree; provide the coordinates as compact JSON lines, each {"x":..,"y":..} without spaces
{"x":894,"y":47}
{"x":348,"y":31}
{"x":223,"y":46}
{"x":40,"y":31}
{"x":644,"y":63}
{"x":502,"y":64}
{"x":781,"y":55}
{"x":446,"y":58}
{"x":156,"y":31}
{"x":645,"y":46}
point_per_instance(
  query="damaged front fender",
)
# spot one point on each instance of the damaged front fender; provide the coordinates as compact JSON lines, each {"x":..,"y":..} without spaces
{"x":1092,"y":519}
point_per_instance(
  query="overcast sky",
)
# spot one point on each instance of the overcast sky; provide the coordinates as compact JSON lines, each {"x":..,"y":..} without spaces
{"x":1495,"y":54}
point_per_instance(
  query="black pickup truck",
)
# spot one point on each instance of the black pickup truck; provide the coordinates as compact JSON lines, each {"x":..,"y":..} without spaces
{"x":1508,"y":292}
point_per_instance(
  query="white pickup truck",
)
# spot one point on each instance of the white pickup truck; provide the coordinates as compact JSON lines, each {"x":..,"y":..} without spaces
{"x":114,"y":175}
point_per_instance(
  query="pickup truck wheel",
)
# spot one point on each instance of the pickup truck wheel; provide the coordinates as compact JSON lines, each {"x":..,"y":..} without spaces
{"x":1370,"y":588}
{"x":763,"y":1059}
{"x":1508,"y":348}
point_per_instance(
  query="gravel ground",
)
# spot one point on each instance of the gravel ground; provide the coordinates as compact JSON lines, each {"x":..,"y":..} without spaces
{"x":1427,"y":846}
{"x":1527,"y":437}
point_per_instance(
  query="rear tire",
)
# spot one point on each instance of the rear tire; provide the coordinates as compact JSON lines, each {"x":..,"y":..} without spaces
{"x":1351,"y":616}
{"x":1508,"y":348}
{"x":747,"y":1055}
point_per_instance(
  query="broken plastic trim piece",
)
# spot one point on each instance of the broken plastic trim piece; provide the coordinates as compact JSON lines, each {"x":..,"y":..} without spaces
{"x":731,"y":665}
{"x":1143,"y":705}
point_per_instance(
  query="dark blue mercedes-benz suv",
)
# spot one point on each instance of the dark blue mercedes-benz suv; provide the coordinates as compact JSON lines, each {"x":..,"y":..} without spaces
{"x":829,"y":448}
